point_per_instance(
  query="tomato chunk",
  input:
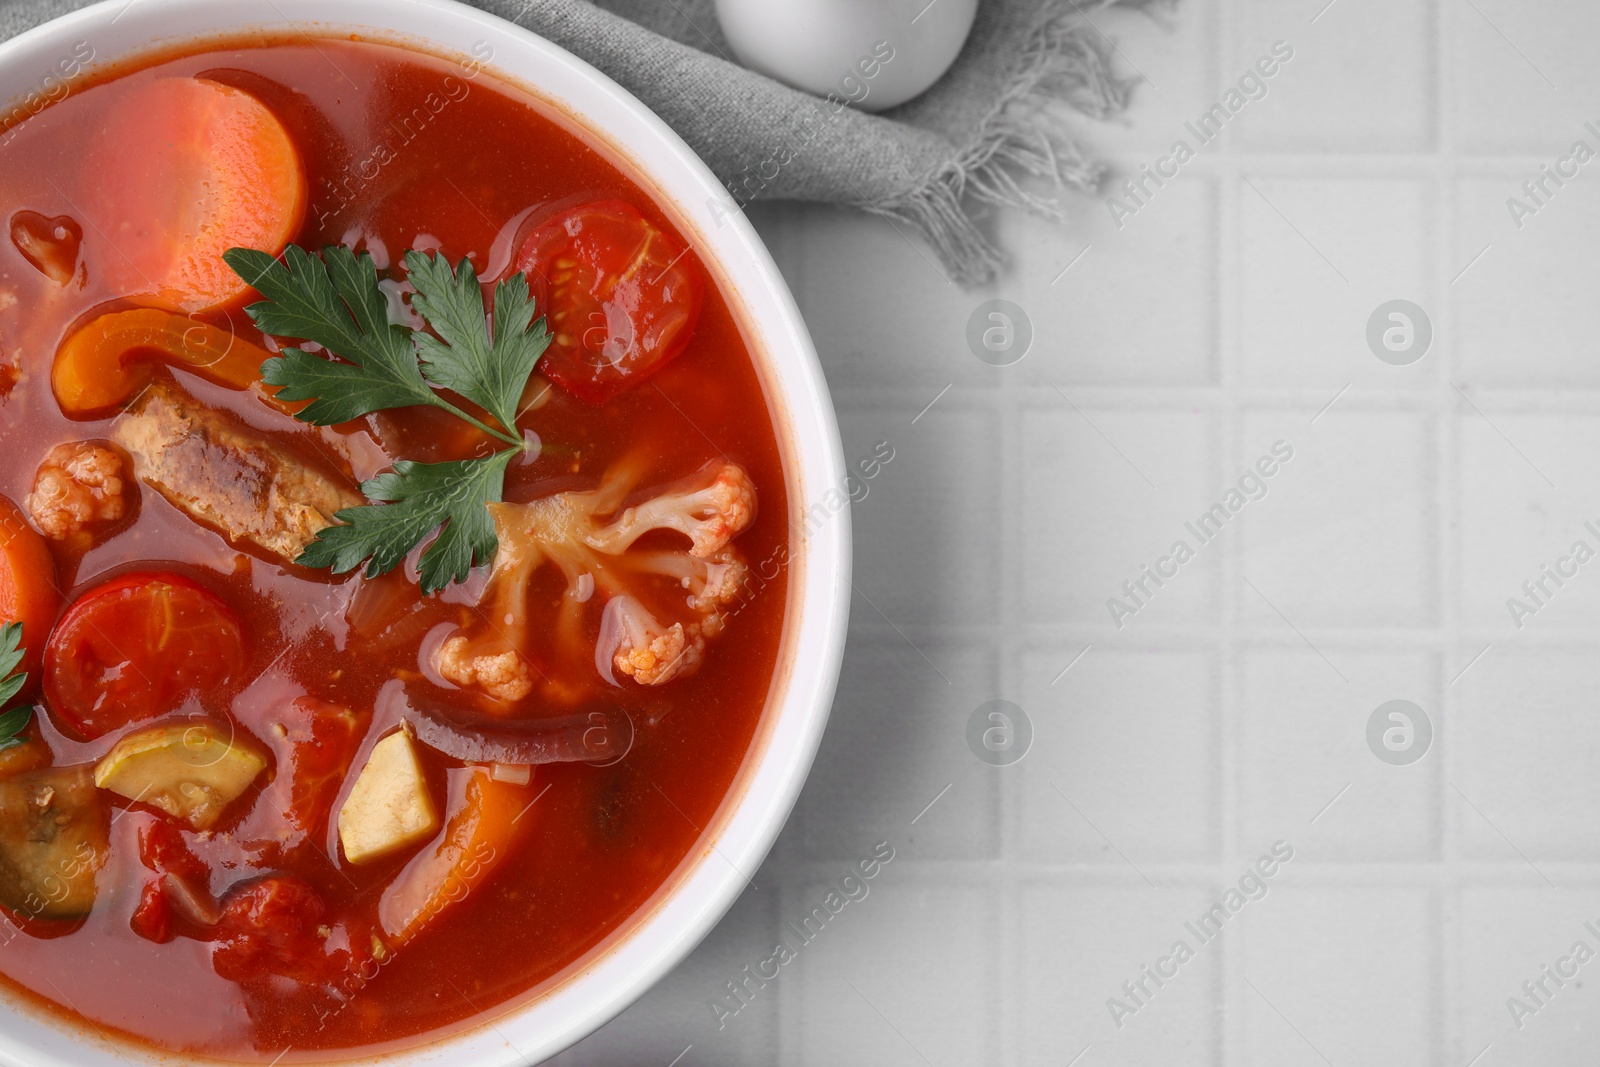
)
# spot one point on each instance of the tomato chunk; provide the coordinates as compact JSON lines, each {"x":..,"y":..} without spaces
{"x":27,"y":583}
{"x":152,"y":919}
{"x":137,"y":647}
{"x":621,"y":296}
{"x":270,"y":927}
{"x":190,"y":168}
{"x":163,"y":850}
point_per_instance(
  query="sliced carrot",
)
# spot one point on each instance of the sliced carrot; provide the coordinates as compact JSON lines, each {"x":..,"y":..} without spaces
{"x":28,"y":592}
{"x":104,"y":363}
{"x":477,"y":838}
{"x":189,"y":169}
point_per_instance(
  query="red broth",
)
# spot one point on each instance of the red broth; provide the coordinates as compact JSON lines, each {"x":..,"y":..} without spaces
{"x":402,"y":150}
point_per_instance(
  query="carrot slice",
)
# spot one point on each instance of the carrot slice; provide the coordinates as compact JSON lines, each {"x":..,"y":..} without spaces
{"x":28,"y":592}
{"x":105,"y":362}
{"x":192,"y":168}
{"x":477,"y":838}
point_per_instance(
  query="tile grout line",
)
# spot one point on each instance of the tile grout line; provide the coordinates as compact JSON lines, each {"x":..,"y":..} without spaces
{"x":1229,"y":326}
{"x":1446,"y":901}
{"x":1204,"y":874}
{"x":1006,"y":971}
{"x":1134,"y":396}
{"x":1071,"y":637}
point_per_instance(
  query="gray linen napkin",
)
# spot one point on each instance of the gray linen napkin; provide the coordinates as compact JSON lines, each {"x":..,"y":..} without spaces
{"x":992,"y":120}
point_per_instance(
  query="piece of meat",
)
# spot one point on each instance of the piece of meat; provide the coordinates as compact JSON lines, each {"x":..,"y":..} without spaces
{"x":79,"y":486}
{"x":222,"y":473}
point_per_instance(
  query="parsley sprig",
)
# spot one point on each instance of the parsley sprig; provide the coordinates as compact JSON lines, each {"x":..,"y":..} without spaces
{"x":11,"y":683}
{"x":334,"y":302}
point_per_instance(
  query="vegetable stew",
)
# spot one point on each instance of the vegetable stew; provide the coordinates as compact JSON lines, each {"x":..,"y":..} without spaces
{"x":393,"y":548}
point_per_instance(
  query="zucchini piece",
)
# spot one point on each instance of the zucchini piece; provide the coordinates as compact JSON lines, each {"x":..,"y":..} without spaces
{"x":54,"y":829}
{"x":190,"y":770}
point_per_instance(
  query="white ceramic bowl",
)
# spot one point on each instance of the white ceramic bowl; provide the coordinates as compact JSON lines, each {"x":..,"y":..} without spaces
{"x":666,"y":930}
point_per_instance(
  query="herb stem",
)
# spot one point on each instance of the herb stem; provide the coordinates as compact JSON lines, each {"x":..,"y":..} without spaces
{"x":501,"y":435}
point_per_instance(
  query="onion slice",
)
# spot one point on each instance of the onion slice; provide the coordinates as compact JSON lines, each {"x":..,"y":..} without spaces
{"x":602,"y":735}
{"x":190,"y":901}
{"x":511,"y":774}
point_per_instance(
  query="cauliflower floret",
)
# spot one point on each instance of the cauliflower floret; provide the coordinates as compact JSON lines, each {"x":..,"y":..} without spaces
{"x":570,"y":531}
{"x":711,"y":508}
{"x":641,"y":647}
{"x":79,"y":486}
{"x":711,"y":583}
{"x":502,"y":675}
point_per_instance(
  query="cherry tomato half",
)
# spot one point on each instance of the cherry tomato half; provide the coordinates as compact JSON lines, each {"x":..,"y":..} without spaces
{"x":137,"y":647}
{"x":621,"y":297}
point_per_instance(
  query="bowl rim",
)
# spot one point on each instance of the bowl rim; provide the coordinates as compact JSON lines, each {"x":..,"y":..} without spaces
{"x":706,"y":884}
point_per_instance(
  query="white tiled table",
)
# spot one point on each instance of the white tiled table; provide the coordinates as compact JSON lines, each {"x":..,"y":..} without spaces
{"x":1231,"y":713}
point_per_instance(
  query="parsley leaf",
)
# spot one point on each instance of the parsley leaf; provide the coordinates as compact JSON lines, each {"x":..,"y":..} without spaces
{"x":11,"y":683}
{"x":11,"y":655}
{"x":12,"y":723}
{"x":490,"y":374}
{"x":334,"y":302}
{"x":424,"y":496}
{"x":375,"y":365}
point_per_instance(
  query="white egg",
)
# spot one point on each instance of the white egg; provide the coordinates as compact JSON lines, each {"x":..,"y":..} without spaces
{"x":873,"y":53}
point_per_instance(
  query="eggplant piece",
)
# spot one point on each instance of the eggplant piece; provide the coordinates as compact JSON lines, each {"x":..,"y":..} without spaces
{"x":54,"y":838}
{"x":30,"y":755}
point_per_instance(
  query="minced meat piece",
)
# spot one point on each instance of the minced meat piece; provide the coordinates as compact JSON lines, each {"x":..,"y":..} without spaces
{"x":80,"y":486}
